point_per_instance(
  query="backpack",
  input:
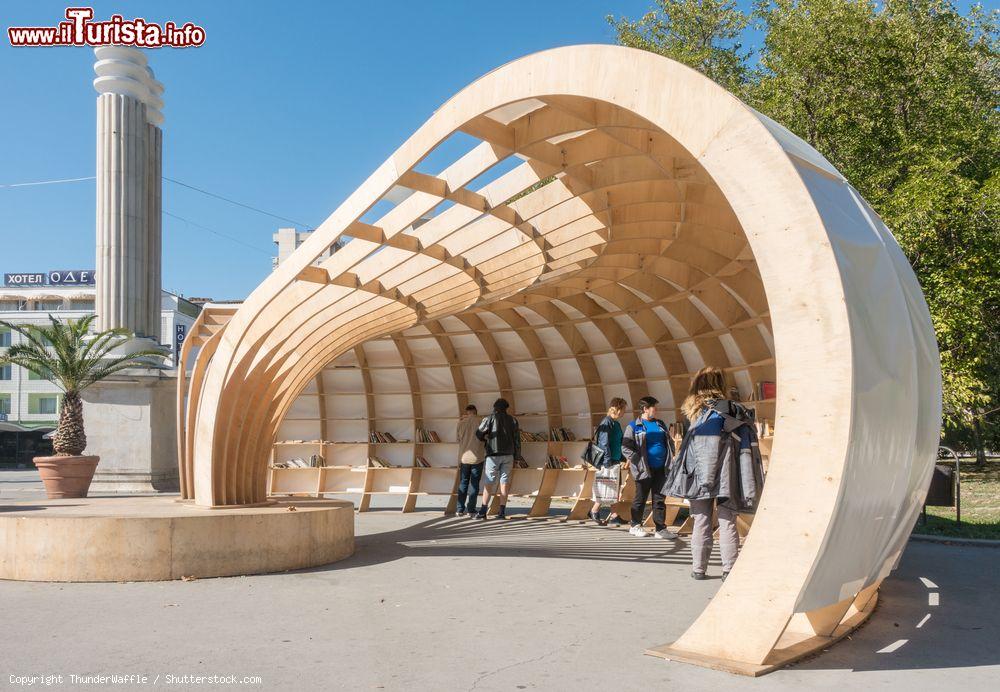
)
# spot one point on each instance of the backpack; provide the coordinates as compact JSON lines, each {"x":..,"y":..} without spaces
{"x":682,"y":479}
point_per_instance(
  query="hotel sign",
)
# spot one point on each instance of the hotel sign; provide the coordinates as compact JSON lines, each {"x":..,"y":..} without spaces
{"x":57,"y":277}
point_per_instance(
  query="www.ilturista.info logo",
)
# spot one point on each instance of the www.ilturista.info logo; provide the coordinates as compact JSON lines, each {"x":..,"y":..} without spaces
{"x":80,"y":30}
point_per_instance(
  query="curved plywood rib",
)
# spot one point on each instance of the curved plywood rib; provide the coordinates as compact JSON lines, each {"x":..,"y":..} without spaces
{"x":621,"y":211}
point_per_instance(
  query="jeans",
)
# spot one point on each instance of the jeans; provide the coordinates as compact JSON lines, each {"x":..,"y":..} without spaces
{"x":643,"y":488}
{"x":701,"y":535}
{"x":468,"y":487}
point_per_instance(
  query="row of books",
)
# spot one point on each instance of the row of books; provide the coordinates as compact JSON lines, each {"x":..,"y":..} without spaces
{"x":520,"y":464}
{"x":532,"y":437}
{"x":561,"y":435}
{"x":427,"y":435}
{"x":421,"y":462}
{"x":764,"y":390}
{"x":555,"y":462}
{"x":376,"y":436}
{"x":380,"y":463}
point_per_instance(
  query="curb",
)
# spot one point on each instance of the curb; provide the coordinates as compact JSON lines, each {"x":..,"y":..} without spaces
{"x":951,"y":540}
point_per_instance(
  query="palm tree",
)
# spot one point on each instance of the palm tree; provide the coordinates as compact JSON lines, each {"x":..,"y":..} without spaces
{"x":67,"y":356}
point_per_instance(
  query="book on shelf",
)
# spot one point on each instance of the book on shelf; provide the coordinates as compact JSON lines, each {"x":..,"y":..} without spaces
{"x":379,"y":463}
{"x":520,"y":464}
{"x":557,"y":462}
{"x":764,"y":390}
{"x":421,"y":462}
{"x":562,"y":435}
{"x":424,"y":435}
{"x":533,"y":437}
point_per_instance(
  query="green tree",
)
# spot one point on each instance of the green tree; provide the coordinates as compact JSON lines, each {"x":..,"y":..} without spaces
{"x":701,"y":33}
{"x":903,"y":97}
{"x":74,"y":360}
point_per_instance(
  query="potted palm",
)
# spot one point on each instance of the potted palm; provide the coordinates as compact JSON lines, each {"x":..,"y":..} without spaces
{"x":68,"y":356}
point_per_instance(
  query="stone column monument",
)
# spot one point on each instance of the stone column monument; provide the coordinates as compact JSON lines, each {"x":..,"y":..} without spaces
{"x":129,"y":184}
{"x":130,"y":418}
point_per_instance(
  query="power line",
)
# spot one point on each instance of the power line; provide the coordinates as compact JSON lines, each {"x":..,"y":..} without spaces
{"x":238,"y":204}
{"x":49,"y":182}
{"x":212,"y":230}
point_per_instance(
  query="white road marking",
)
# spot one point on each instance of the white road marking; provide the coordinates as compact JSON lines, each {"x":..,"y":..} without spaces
{"x":932,"y":599}
{"x":926,"y":618}
{"x":892,"y":647}
{"x":928,"y":583}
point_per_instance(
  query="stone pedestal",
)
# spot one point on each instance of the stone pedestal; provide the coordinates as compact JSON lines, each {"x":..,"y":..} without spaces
{"x":131,"y":424}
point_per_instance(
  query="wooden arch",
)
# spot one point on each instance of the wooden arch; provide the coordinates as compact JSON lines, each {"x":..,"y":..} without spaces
{"x":621,"y":211}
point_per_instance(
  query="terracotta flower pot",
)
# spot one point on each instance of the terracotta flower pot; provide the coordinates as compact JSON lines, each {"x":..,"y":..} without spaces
{"x":66,"y":476}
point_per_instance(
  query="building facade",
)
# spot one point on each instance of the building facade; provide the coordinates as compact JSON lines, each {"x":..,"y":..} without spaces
{"x":29,"y":403}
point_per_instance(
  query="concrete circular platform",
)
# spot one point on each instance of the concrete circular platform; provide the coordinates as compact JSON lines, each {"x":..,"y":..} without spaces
{"x":159,"y":538}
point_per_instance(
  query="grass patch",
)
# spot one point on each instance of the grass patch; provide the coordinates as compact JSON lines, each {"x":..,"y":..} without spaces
{"x":980,"y":506}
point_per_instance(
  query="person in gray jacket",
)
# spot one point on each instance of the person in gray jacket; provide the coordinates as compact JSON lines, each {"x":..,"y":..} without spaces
{"x":712,"y":472}
{"x":648,"y":447}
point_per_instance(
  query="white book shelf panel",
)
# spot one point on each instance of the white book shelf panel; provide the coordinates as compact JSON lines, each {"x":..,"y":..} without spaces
{"x":652,"y":363}
{"x":388,"y":406}
{"x":346,"y":455}
{"x":286,"y":452}
{"x":425,"y":351}
{"x":609,"y":367}
{"x":389,"y":380}
{"x":435,"y":378}
{"x":468,"y":348}
{"x":337,"y":380}
{"x":529,"y":401}
{"x":595,"y":338}
{"x":443,"y":405}
{"x":304,"y":407}
{"x":346,"y":405}
{"x":381,"y":352}
{"x":441,"y":455}
{"x":480,"y":378}
{"x":299,"y":429}
{"x":523,"y":374}
{"x":395,"y":454}
{"x":347,"y":430}
{"x":553,"y":342}
{"x":567,"y":372}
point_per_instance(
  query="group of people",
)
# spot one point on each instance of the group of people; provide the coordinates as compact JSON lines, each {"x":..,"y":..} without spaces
{"x":716,"y":466}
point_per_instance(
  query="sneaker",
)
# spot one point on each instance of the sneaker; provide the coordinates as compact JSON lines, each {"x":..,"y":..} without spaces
{"x":596,"y":518}
{"x":502,"y":514}
{"x":698,"y":576}
{"x":665,"y":533}
{"x":460,"y":513}
{"x":481,"y":514}
{"x":724,"y":575}
{"x":614,"y":521}
{"x":637,"y":530}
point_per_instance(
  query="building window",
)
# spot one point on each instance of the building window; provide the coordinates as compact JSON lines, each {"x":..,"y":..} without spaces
{"x":81,"y":304}
{"x":4,"y":336}
{"x":44,"y":375}
{"x":4,"y":372}
{"x":48,"y":305}
{"x":43,"y":404}
{"x":13,"y":305}
{"x":5,"y":403}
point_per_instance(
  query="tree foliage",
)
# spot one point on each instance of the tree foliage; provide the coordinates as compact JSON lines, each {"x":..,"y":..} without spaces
{"x":72,"y":358}
{"x":903,"y":97}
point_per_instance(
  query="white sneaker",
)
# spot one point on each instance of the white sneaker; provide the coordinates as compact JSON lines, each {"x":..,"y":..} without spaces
{"x":665,"y":533}
{"x":638,"y":531}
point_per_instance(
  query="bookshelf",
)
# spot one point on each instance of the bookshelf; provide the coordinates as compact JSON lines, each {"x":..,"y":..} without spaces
{"x":381,"y":418}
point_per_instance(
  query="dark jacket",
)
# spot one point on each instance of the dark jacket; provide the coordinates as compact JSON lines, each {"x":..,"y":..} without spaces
{"x":718,"y":458}
{"x":502,"y":436}
{"x":634,"y":447}
{"x":602,"y":440}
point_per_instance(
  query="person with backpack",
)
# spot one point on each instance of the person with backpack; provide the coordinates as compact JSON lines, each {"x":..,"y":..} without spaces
{"x":717,"y":468}
{"x":606,"y":456}
{"x":648,"y":447}
{"x":502,"y":436}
